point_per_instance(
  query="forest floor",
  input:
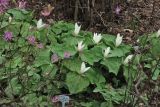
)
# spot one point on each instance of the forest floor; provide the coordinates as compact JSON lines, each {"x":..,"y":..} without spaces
{"x":138,"y":17}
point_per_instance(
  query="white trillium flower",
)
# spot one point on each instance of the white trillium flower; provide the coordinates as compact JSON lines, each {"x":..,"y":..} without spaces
{"x":158,"y":33}
{"x":118,"y":40}
{"x":77,"y":29}
{"x":10,"y":19}
{"x":107,"y":51}
{"x":40,"y":24}
{"x":84,"y":68}
{"x":128,"y":58}
{"x":80,"y":46}
{"x":97,"y":38}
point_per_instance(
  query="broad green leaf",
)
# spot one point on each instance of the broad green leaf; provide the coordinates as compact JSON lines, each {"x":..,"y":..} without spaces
{"x":130,"y":72}
{"x":109,"y":40}
{"x":49,"y":70}
{"x":25,"y":29}
{"x":72,"y":64}
{"x":42,"y":58}
{"x":120,"y":51}
{"x":14,"y":88}
{"x":113,"y":64}
{"x":95,"y":77}
{"x":76,"y":83}
{"x":156,"y":74}
{"x":60,"y":49}
{"x":91,"y":56}
{"x":155,"y":48}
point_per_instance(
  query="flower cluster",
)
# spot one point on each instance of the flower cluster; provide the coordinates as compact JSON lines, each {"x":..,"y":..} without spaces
{"x":3,"y":5}
{"x":22,"y":4}
{"x":32,"y":40}
{"x":8,"y":36}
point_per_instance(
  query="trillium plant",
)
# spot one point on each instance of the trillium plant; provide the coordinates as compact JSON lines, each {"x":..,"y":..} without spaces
{"x":38,"y":64}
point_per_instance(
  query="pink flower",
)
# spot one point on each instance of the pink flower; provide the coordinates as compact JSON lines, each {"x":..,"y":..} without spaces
{"x":55,"y":99}
{"x":22,"y":4}
{"x":31,"y":40}
{"x":54,"y":58}
{"x":8,"y":36}
{"x":3,"y":5}
{"x":67,"y":55}
{"x":117,"y":10}
{"x":40,"y":45}
{"x":47,"y":10}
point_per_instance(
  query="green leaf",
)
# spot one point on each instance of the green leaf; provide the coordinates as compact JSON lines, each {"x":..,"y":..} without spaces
{"x":25,"y":29}
{"x":109,"y":39}
{"x":95,"y":77}
{"x":91,"y":56}
{"x":42,"y":58}
{"x":76,"y":83}
{"x":14,"y":88}
{"x":156,"y":74}
{"x":72,"y":64}
{"x":49,"y":70}
{"x":113,"y":64}
{"x":120,"y":51}
{"x":130,"y":72}
{"x":20,"y":14}
{"x":155,"y":48}
{"x":60,"y":49}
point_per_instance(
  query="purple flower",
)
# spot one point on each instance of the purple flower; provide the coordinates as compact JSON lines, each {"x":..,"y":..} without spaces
{"x":67,"y":55}
{"x":31,"y":40}
{"x":8,"y":36}
{"x":117,"y":10}
{"x":55,"y":99}
{"x":22,"y":4}
{"x":40,"y":45}
{"x":54,"y":58}
{"x":3,"y":5}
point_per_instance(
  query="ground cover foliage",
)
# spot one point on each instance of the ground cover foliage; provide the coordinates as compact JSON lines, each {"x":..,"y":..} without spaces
{"x":39,"y":61}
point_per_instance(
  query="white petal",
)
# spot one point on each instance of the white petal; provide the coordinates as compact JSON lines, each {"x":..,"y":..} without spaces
{"x":118,"y":40}
{"x":83,"y":68}
{"x":77,"y":29}
{"x":97,"y":38}
{"x":106,"y":52}
{"x":158,"y":33}
{"x":80,"y":46}
{"x":40,"y":24}
{"x":128,"y":58}
{"x":86,"y":69}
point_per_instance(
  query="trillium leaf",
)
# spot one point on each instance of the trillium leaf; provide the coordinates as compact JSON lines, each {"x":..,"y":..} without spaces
{"x":95,"y":77}
{"x":76,"y":83}
{"x":113,"y":64}
{"x":120,"y":51}
{"x":72,"y":64}
{"x":43,"y":57}
{"x":91,"y":56}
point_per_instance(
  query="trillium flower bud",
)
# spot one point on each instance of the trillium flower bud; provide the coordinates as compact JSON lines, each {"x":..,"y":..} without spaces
{"x":106,"y":52}
{"x":158,"y":33}
{"x":97,"y":38}
{"x":118,"y":40}
{"x":77,"y":29}
{"x":128,"y":59}
{"x":10,"y":19}
{"x":84,"y":68}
